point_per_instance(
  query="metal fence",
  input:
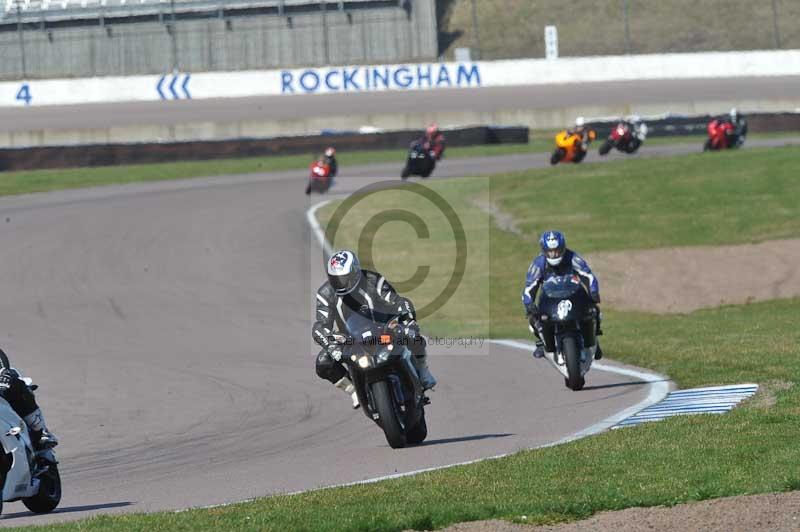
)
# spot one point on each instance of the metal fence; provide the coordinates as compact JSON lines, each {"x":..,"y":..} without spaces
{"x":337,"y":33}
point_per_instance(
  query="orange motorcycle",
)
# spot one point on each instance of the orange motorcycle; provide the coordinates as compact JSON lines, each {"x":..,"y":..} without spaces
{"x":570,"y":147}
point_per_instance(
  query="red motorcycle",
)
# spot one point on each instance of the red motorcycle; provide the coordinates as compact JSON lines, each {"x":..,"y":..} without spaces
{"x":721,"y":136}
{"x":627,"y":137}
{"x":320,"y":179}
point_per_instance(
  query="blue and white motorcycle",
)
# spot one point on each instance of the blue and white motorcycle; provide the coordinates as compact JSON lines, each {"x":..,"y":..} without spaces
{"x":25,"y":474}
{"x":569,"y":325}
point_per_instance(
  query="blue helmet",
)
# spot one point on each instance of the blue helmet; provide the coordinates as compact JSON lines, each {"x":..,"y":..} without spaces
{"x":553,"y":246}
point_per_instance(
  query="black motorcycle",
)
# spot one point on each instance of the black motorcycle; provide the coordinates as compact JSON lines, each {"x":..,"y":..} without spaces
{"x":378,"y":359}
{"x":420,"y":161}
{"x":569,"y":326}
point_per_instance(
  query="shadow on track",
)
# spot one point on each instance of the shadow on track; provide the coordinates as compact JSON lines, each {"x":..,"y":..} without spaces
{"x":617,"y":384}
{"x":476,"y":437}
{"x":70,"y":509}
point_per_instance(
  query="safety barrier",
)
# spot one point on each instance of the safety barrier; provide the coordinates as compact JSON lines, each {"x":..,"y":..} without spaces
{"x":425,"y":76}
{"x":115,"y":154}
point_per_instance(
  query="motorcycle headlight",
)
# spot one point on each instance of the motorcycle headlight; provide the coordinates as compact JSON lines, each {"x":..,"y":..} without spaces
{"x":364,"y":362}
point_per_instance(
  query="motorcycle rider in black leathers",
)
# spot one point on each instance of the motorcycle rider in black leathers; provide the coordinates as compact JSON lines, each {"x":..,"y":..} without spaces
{"x":739,"y":134}
{"x":330,"y":160}
{"x":22,"y":400}
{"x":350,"y":289}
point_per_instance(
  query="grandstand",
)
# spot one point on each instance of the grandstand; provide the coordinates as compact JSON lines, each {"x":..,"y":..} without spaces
{"x":81,"y":38}
{"x":59,"y":10}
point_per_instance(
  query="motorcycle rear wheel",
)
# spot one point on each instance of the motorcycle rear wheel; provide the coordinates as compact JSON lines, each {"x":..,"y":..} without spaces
{"x":49,"y":493}
{"x":384,"y":404}
{"x":572,"y":355}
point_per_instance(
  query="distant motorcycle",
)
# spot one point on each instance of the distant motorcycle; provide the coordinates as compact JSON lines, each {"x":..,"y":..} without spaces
{"x":722,"y":136}
{"x":25,"y":474}
{"x":420,"y":161}
{"x":378,"y":360}
{"x":625,"y":137}
{"x":569,"y":327}
{"x":570,"y":147}
{"x":320,"y":179}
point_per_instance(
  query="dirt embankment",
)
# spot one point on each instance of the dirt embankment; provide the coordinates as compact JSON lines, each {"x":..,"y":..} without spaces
{"x":689,"y":278}
{"x":774,"y":512}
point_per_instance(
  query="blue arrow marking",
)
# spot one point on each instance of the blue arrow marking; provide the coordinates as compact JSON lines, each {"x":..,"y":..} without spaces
{"x":185,"y":86}
{"x":172,"y":87}
{"x":158,"y":87}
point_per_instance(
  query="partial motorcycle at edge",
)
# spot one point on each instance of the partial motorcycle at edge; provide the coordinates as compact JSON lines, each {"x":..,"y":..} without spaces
{"x":25,"y":474}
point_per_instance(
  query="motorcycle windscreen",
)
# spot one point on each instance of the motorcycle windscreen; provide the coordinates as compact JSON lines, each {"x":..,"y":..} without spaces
{"x":367,"y":330}
{"x":561,"y":286}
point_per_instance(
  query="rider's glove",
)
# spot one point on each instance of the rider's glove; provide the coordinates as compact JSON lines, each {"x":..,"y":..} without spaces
{"x":411,"y":329}
{"x":7,"y":377}
{"x":335,"y":352}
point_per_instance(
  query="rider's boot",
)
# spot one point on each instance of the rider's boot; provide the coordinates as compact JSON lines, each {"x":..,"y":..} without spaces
{"x":347,"y":387}
{"x":539,"y":351}
{"x":41,"y":438}
{"x":426,"y":378}
{"x":598,"y":353}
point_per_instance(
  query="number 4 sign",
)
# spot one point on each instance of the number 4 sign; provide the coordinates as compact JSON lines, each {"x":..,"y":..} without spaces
{"x":24,"y":94}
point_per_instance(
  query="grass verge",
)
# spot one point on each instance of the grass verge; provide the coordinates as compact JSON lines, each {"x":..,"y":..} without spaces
{"x":25,"y":182}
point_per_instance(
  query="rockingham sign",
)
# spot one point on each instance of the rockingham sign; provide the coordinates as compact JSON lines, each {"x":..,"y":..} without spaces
{"x":381,"y":78}
{"x":403,"y":77}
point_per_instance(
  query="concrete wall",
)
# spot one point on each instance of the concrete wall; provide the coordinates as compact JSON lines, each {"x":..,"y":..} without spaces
{"x":212,"y":44}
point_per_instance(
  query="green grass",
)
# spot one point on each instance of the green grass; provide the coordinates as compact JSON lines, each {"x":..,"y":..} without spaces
{"x":25,"y":182}
{"x":700,"y":199}
{"x":750,"y":450}
{"x":515,"y":28}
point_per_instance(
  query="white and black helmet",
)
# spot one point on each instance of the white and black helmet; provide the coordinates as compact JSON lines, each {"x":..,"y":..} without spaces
{"x":344,"y":272}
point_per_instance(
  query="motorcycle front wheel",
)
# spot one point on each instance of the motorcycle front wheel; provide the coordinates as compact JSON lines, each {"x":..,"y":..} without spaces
{"x":605,"y":147}
{"x":572,"y":355}
{"x":390,"y":422}
{"x":418,"y":432}
{"x":49,"y":493}
{"x":557,"y":156}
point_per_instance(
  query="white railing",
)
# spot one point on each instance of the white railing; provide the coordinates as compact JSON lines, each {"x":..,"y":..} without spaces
{"x":61,"y":9}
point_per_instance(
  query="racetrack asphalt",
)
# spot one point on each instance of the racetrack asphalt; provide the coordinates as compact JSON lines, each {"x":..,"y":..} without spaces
{"x":298,"y":107}
{"x":168,"y":325}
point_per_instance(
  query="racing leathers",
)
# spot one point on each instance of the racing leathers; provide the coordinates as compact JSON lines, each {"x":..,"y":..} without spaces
{"x":330,"y":160}
{"x":434,"y":143}
{"x":372,"y":294}
{"x":739,"y":133}
{"x":587,"y":135}
{"x":538,"y":272}
{"x":19,"y":395}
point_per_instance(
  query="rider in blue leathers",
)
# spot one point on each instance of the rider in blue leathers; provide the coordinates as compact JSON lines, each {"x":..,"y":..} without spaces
{"x":556,"y":259}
